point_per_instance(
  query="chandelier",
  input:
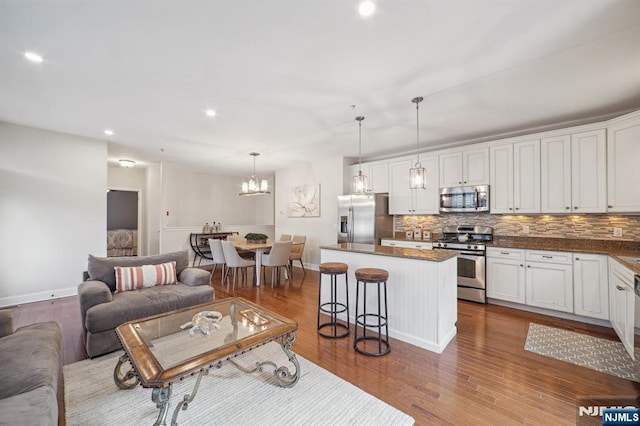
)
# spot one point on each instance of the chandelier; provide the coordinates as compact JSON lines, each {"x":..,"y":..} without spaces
{"x":417,"y":174}
{"x":254,"y":185}
{"x":360,"y":184}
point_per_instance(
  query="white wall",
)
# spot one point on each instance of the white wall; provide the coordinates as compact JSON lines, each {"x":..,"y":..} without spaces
{"x":319,"y":230}
{"x":194,"y":198}
{"x":52,"y":211}
{"x":153,"y":203}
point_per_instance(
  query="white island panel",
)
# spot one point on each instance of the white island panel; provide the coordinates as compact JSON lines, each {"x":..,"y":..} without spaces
{"x":422,"y":295}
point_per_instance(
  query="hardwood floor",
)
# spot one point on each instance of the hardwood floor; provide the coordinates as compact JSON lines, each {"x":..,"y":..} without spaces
{"x":483,"y":376}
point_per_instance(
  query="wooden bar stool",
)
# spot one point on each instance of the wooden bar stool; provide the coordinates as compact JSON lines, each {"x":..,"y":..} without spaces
{"x":369,"y":319}
{"x":333,"y":307}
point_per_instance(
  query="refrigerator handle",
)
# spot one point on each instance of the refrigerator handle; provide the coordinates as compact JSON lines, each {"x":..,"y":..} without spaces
{"x":350,"y":225}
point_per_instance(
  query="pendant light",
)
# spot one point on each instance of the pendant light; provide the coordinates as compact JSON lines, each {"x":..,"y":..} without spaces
{"x":417,"y":174}
{"x":360,"y":184}
{"x":254,"y":185}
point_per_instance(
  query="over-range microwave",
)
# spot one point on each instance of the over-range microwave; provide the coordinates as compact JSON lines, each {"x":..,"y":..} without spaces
{"x":462,"y":199}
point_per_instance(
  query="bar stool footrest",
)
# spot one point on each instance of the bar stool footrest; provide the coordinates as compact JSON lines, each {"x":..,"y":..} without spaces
{"x":384,"y":342}
{"x":333,"y":308}
{"x":335,"y":334}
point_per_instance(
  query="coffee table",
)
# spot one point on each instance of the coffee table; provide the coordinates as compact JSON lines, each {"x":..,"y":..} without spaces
{"x":164,"y":349}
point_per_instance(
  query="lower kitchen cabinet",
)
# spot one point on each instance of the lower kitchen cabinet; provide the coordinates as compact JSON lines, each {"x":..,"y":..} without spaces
{"x":550,"y":285}
{"x":622,"y":304}
{"x":407,"y":244}
{"x":505,"y":275}
{"x":590,"y":285}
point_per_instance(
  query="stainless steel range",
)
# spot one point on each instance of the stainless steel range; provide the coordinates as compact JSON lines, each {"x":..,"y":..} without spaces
{"x":470,"y":243}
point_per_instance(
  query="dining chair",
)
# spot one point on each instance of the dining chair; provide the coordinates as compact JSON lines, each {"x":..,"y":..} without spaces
{"x":285,"y":237}
{"x":296,"y":251}
{"x":235,"y":262}
{"x":278,"y":258}
{"x":218,"y":257}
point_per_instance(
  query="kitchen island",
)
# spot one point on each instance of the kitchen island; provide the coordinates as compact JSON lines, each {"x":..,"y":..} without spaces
{"x":421,"y":290}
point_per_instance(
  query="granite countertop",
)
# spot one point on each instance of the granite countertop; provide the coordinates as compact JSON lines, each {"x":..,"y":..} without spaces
{"x":623,"y":251}
{"x":407,"y":253}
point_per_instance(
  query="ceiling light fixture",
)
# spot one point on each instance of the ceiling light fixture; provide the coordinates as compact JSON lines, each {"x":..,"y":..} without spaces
{"x":127,"y":163}
{"x":254,"y":185}
{"x":108,"y":132}
{"x":210,"y":113}
{"x":366,"y":8}
{"x":33,"y":57}
{"x":417,"y":174}
{"x":360,"y":184}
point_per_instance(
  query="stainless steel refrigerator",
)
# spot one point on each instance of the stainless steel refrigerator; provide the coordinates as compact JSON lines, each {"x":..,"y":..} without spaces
{"x":364,"y":218}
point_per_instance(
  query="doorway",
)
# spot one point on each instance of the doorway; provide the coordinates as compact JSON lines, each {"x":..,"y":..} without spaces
{"x":123,"y":222}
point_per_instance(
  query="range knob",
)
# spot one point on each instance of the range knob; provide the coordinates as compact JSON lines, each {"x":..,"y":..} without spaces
{"x":444,"y":245}
{"x":469,"y":246}
{"x":475,"y":247}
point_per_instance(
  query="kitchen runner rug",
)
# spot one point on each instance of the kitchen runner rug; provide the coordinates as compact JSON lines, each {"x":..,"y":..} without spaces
{"x":226,"y":396}
{"x":592,"y":352}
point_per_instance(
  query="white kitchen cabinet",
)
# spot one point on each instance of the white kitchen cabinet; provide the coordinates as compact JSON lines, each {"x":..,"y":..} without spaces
{"x":589,"y":172}
{"x":506,"y":274}
{"x":402,"y":199}
{"x":377,"y":176}
{"x":515,"y":178}
{"x":623,"y":158}
{"x":549,"y":280}
{"x":526,"y":177}
{"x":622,"y":304}
{"x":555,"y":174}
{"x":590,"y":285}
{"x":469,"y":167}
{"x":501,"y":179}
{"x":424,"y":245}
{"x":573,"y":173}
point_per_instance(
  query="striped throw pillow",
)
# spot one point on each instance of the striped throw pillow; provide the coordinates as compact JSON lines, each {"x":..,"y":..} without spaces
{"x":136,"y":277}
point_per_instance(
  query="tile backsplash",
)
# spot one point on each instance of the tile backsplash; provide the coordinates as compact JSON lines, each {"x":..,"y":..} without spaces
{"x":592,"y":226}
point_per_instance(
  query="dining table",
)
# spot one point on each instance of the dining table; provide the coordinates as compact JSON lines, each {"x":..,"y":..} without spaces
{"x":259,"y":249}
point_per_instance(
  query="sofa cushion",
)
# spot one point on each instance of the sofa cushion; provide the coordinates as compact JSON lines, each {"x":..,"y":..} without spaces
{"x":36,"y":407}
{"x":103,"y":268}
{"x":30,"y":358}
{"x":133,"y":305}
{"x":137,"y":277}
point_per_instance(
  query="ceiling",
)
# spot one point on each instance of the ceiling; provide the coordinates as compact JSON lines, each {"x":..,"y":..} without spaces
{"x":283,"y":75}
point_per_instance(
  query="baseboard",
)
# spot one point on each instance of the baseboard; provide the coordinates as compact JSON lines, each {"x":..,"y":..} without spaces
{"x":38,"y":297}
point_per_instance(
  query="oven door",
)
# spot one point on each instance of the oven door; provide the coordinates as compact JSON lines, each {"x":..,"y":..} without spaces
{"x":471,"y":270}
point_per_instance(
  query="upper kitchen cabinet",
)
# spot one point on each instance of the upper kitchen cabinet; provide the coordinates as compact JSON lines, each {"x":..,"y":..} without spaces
{"x":573,"y":173}
{"x":468,"y":167}
{"x":377,"y":173}
{"x":623,"y":159}
{"x":402,"y":199}
{"x":514,"y":178}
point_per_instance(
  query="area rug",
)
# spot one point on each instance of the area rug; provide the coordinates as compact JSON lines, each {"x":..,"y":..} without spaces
{"x":227,"y":396}
{"x":592,"y":352}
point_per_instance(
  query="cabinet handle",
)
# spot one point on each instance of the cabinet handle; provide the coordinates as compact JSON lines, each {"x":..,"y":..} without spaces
{"x":575,"y":207}
{"x":459,"y":182}
{"x":504,"y":252}
{"x":510,"y":208}
{"x":567,"y":208}
{"x":465,"y":181}
{"x":521,"y":265}
{"x":547,"y":257}
{"x":517,"y":208}
{"x":528,"y":266}
{"x":610,"y":207}
{"x":577,"y":258}
{"x":619,"y":288}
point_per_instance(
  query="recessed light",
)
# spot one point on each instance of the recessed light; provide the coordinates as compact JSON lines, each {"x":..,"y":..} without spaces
{"x":210,"y":113}
{"x":366,"y":8}
{"x":108,"y":132}
{"x":33,"y":57}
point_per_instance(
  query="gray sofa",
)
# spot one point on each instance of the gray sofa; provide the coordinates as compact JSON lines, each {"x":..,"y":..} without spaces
{"x":102,"y":310}
{"x":30,"y":365}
